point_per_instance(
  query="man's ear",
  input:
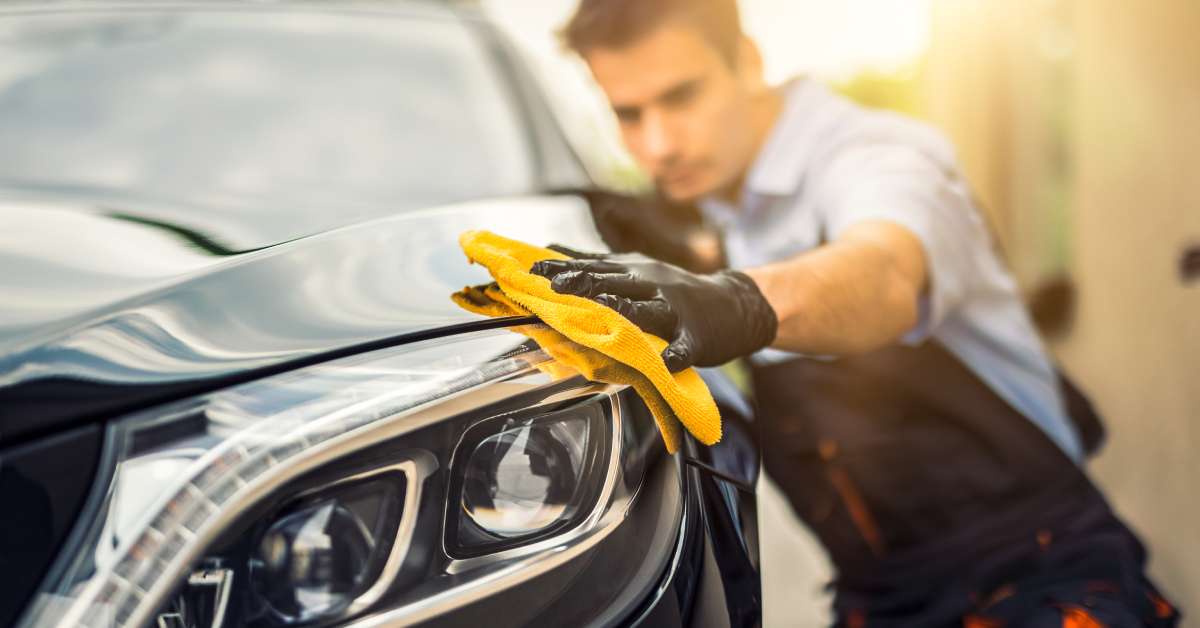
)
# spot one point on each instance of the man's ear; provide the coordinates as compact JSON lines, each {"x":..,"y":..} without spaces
{"x":750,"y":65}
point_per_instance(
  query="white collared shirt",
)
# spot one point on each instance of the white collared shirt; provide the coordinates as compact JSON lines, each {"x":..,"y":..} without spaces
{"x":829,"y":164}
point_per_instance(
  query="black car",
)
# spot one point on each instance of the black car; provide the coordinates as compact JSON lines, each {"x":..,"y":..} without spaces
{"x":234,"y":390}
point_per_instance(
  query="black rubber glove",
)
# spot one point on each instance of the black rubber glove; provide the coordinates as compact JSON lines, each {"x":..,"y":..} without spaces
{"x":707,"y":319}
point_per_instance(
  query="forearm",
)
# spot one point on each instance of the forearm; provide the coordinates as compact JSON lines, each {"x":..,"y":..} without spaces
{"x":847,"y":297}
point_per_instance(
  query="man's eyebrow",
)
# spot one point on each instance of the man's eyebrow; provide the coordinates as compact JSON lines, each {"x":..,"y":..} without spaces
{"x":674,"y":92}
{"x":679,"y":90}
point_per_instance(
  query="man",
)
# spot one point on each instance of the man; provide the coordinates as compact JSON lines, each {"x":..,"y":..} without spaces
{"x":910,"y":412}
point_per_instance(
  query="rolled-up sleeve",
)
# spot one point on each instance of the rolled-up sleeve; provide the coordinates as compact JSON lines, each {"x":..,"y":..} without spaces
{"x":893,"y":181}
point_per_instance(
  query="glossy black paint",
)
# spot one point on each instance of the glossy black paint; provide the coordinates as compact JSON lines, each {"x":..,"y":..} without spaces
{"x":736,"y":457}
{"x":173,"y":333}
{"x":43,"y":485}
{"x":714,"y":580}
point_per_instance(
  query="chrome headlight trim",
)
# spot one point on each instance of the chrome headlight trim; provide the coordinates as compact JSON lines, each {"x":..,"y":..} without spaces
{"x":415,"y":471}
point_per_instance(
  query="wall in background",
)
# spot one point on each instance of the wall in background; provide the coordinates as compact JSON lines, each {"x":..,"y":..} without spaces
{"x":1079,"y":124}
{"x":1135,"y":344}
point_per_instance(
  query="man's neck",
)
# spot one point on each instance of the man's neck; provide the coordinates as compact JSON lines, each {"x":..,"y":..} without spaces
{"x":765,"y":111}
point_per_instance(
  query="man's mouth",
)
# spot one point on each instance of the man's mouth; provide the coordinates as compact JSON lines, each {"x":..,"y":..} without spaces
{"x":678,"y":177}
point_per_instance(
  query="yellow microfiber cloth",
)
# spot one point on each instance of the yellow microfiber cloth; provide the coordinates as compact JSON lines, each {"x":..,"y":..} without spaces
{"x":599,"y":343}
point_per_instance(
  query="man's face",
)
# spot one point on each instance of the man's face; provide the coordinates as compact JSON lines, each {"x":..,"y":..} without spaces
{"x":683,"y":110}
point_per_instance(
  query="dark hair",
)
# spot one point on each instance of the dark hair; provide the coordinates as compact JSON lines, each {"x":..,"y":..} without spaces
{"x":616,"y":23}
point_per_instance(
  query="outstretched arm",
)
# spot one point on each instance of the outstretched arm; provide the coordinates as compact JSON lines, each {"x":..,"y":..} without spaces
{"x":855,"y":294}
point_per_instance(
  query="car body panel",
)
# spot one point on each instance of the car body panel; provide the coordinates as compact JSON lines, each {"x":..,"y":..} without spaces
{"x":181,"y":316}
{"x":45,"y":483}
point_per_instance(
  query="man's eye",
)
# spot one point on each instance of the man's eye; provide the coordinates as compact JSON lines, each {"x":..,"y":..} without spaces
{"x":681,"y":95}
{"x":627,"y":115}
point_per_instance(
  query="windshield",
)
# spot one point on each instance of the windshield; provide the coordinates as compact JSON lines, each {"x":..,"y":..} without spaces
{"x":294,"y":121}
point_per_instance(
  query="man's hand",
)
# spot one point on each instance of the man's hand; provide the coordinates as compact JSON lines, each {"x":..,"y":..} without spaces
{"x":707,"y":319}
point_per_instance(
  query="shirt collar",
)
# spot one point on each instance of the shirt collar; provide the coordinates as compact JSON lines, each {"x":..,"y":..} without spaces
{"x":779,"y":167}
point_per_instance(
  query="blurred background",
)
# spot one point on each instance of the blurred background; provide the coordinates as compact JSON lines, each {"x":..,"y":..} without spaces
{"x":1078,"y":122}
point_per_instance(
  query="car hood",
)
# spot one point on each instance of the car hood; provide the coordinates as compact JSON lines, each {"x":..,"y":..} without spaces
{"x":104,"y":312}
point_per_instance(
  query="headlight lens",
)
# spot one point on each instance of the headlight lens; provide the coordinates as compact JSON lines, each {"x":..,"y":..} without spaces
{"x":313,"y":560}
{"x":403,"y":479}
{"x":524,"y":479}
{"x":318,"y":555}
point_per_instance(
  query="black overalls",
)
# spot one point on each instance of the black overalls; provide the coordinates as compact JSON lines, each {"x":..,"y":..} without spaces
{"x":940,"y":504}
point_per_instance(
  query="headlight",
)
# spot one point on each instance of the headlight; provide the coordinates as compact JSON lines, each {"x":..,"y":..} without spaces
{"x":387,"y":488}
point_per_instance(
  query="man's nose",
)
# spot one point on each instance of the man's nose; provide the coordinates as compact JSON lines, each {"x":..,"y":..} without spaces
{"x":657,"y":137}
